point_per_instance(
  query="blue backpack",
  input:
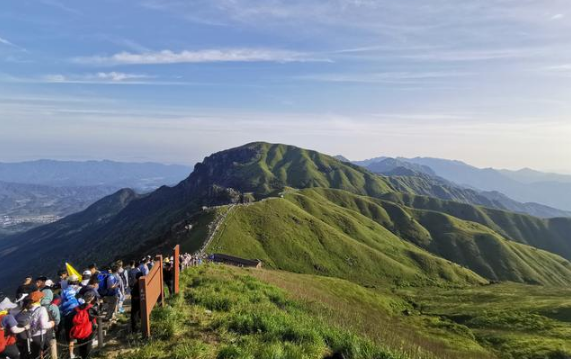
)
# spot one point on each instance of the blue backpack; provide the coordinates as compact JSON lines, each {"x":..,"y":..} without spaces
{"x":104,"y":289}
{"x":68,"y":301}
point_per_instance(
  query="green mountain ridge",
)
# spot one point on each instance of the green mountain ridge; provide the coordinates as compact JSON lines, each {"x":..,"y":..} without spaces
{"x":325,"y":231}
{"x":140,"y":224}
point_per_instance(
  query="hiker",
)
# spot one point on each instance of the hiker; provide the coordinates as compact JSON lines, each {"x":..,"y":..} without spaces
{"x":168,"y":276}
{"x":133,"y":274}
{"x":121,"y":276}
{"x":92,"y":286}
{"x":68,"y":303}
{"x":8,"y":330}
{"x":85,"y":277}
{"x":82,"y":323}
{"x":92,"y":268}
{"x":41,"y":327}
{"x":144,"y":268}
{"x":135,"y":303}
{"x":110,"y":290}
{"x":26,"y":288}
{"x":69,"y":296}
{"x":61,"y":284}
{"x":47,"y":300}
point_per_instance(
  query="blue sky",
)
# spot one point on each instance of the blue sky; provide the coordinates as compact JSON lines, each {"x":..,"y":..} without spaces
{"x":487,"y":82}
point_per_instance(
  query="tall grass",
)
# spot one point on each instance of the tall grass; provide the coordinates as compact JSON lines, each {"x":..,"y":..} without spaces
{"x":224,"y":313}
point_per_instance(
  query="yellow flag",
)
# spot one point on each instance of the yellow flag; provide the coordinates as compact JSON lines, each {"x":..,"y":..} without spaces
{"x":71,"y":271}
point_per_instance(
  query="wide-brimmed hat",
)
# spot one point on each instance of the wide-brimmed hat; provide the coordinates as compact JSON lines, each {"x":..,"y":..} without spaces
{"x":7,"y":304}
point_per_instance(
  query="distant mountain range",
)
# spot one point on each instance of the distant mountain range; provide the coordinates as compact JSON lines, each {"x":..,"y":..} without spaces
{"x":537,"y":193}
{"x":335,"y":218}
{"x":40,"y":192}
{"x":139,"y":176}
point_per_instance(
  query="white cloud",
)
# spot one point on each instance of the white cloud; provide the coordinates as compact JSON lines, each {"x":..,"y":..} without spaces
{"x":201,"y":56}
{"x":383,"y":77}
{"x":100,"y":77}
{"x":557,"y":16}
{"x":6,"y":42}
{"x":119,"y":76}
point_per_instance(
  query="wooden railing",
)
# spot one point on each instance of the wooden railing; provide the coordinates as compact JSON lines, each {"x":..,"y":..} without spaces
{"x":151,"y":289}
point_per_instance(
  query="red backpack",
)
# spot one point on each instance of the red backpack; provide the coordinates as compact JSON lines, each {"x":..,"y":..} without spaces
{"x":5,"y":339}
{"x":82,"y":327}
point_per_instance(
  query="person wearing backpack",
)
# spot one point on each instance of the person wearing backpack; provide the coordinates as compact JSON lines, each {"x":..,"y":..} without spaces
{"x":112,"y":292}
{"x":41,"y":327}
{"x":47,"y":300}
{"x":69,"y":296}
{"x":83,"y":324}
{"x":9,"y":328}
{"x":68,"y":303}
{"x":136,"y":303}
{"x":122,"y":276}
{"x":133,"y":274}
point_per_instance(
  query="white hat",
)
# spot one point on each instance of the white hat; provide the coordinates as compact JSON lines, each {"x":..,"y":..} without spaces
{"x":86,"y":273}
{"x":73,"y":278}
{"x":7,"y":304}
{"x":49,"y":283}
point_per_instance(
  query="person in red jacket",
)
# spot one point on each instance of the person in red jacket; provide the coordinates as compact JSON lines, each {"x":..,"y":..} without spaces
{"x":83,"y":324}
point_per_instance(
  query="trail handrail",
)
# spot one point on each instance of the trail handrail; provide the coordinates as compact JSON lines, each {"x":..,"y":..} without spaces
{"x":176,"y":269}
{"x":152,"y":292}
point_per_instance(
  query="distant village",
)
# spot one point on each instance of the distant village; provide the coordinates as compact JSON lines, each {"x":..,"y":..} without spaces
{"x":7,"y":221}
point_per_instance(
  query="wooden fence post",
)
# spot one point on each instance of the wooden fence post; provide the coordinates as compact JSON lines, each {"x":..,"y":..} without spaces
{"x":159,"y":262}
{"x":176,"y":275}
{"x":145,"y":314}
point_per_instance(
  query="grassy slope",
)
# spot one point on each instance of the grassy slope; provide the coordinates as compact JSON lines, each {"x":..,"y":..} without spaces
{"x":336,"y":233}
{"x":226,"y":312}
{"x":467,"y":243}
{"x":548,"y":234}
{"x":520,"y":322}
{"x":287,"y":237}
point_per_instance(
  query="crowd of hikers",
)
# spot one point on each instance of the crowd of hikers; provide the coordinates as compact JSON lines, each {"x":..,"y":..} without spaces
{"x":70,"y":308}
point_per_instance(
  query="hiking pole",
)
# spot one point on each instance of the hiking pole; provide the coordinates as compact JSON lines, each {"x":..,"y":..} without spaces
{"x":29,"y":341}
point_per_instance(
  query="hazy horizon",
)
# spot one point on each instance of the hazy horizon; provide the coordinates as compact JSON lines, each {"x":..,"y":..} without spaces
{"x":486,"y":83}
{"x":191,"y":163}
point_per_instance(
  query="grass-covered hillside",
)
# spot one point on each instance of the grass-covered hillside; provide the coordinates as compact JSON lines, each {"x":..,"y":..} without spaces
{"x":367,"y":240}
{"x":259,"y":170}
{"x":517,"y":321}
{"x":329,"y":240}
{"x":228,"y":312}
{"x":550,"y":234}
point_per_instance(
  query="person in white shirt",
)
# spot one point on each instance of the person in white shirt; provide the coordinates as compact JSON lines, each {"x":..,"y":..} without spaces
{"x":40,"y":326}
